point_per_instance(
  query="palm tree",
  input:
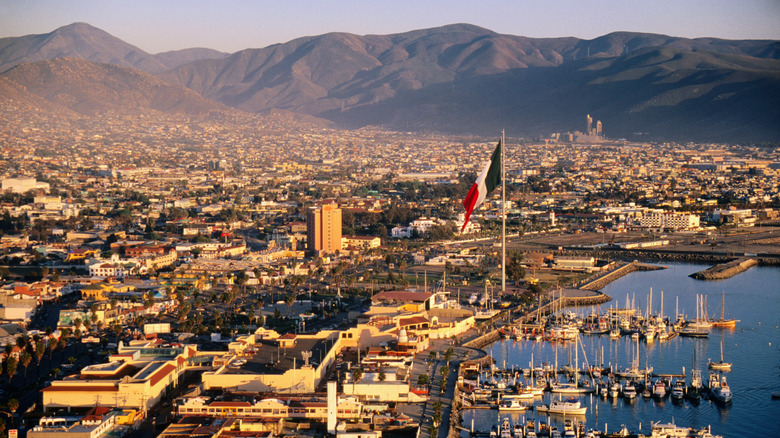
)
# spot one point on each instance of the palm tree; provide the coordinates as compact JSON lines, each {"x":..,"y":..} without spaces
{"x":52,"y":347}
{"x":357,"y":374}
{"x":40,"y":350}
{"x":10,"y":367}
{"x":25,"y":358}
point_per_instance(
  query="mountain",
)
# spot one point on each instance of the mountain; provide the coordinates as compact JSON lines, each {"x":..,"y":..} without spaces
{"x":80,"y":40}
{"x":462,"y":78}
{"x":91,"y":88}
{"x":458,"y":78}
{"x":176,"y":58}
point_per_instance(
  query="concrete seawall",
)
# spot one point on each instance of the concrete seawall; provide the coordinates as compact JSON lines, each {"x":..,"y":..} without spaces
{"x":626,"y":268}
{"x":725,"y":270}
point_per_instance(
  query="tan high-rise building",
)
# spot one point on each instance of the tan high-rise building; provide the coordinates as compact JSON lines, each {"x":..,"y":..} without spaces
{"x":323,"y":226}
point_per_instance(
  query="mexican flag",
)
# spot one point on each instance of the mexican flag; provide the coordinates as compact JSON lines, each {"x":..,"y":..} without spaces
{"x":488,"y":179}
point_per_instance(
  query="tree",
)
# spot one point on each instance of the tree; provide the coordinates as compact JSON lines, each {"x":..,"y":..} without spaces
{"x":514,"y":269}
{"x":56,"y":372}
{"x":13,"y":405}
{"x":381,"y":376}
{"x":10,"y":367}
{"x":357,"y":374}
{"x":423,"y":379}
{"x":26,"y":358}
{"x":40,"y":350}
{"x":289,"y":300}
{"x":444,"y":370}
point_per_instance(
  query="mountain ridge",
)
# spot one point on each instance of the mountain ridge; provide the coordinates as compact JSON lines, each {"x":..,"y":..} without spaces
{"x":464,"y":78}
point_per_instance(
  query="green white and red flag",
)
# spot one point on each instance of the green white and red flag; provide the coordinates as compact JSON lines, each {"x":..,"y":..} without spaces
{"x":488,"y":179}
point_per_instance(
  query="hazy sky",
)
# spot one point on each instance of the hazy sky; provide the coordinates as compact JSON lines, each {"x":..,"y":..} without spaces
{"x":232,"y":25}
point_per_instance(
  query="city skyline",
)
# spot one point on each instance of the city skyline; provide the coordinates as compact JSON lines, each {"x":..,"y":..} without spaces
{"x":239,"y":25}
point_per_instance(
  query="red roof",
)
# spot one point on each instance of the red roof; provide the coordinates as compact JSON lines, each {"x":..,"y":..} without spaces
{"x":225,"y":404}
{"x":412,"y":320}
{"x":402,"y":296}
{"x":159,"y":374}
{"x":85,"y":388}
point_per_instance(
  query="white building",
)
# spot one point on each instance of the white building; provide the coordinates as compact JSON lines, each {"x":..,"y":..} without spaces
{"x":669,"y":221}
{"x":23,"y":184}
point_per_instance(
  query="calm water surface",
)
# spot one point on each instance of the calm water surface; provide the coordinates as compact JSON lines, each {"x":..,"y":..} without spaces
{"x":752,"y":297}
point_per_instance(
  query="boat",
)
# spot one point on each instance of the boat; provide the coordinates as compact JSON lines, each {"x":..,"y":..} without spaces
{"x":512,"y":406}
{"x":694,"y":389}
{"x":622,"y":433}
{"x":568,"y":429}
{"x":634,"y":372}
{"x":615,"y":333}
{"x":699,"y":327}
{"x":669,"y":430}
{"x":694,"y":331}
{"x":659,"y":389}
{"x":571,"y":406}
{"x":719,"y":389}
{"x":629,"y":391}
{"x":678,"y":390}
{"x":570,"y":388}
{"x":720,"y":366}
{"x":530,"y":429}
{"x":505,"y":431}
{"x":603,"y":389}
{"x":723,"y":322}
{"x":614,"y":390}
{"x":573,"y":387}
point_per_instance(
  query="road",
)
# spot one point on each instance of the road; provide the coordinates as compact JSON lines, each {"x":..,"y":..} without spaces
{"x":424,"y":412}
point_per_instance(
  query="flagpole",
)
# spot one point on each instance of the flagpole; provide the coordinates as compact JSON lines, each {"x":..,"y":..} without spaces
{"x":503,"y":216}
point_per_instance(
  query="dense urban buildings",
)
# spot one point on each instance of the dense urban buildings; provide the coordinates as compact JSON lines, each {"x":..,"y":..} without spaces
{"x":219,"y":275}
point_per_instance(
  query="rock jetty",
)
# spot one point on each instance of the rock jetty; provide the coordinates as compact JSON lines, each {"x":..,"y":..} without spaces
{"x":725,"y":270}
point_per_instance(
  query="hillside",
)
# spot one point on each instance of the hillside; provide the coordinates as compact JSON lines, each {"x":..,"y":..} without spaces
{"x":90,"y":88}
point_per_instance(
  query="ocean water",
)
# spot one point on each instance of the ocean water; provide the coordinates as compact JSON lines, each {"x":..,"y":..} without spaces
{"x":752,"y":297}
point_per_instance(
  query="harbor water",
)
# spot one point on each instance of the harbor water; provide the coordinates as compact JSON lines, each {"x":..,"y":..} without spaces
{"x":753,"y":347}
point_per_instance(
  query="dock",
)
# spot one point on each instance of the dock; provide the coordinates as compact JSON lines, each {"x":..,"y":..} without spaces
{"x":726,"y":270}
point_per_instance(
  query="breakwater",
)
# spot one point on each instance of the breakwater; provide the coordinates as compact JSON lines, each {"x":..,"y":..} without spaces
{"x":486,"y":339}
{"x":726,"y":270}
{"x":622,"y":269}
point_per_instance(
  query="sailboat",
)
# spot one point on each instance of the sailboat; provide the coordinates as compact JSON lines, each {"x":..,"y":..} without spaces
{"x":723,"y":322}
{"x":720,"y":366}
{"x":700,"y":327}
{"x":572,"y":387}
{"x":634,"y":372}
{"x":694,"y":390}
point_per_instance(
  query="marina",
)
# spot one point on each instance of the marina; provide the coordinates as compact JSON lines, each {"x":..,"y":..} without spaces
{"x":636,"y":381}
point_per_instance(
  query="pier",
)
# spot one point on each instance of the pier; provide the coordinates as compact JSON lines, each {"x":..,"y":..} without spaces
{"x":623,"y":269}
{"x":726,"y":270}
